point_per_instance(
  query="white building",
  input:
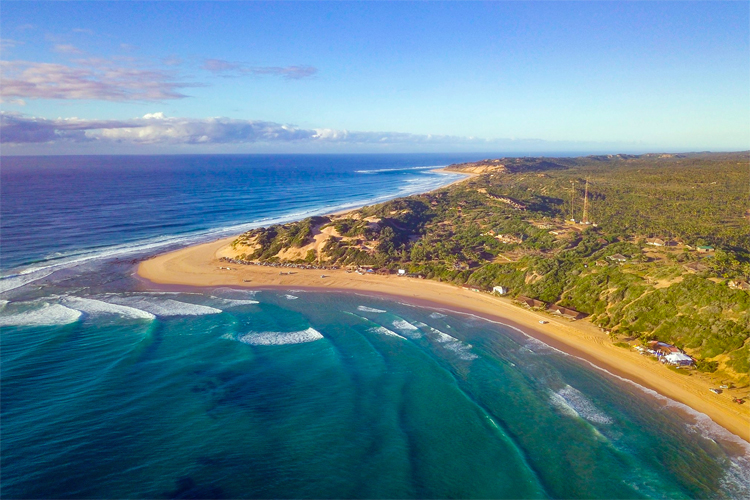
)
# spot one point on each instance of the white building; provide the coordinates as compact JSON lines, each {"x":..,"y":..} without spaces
{"x":678,"y":358}
{"x":402,"y":272}
{"x":501,"y":290}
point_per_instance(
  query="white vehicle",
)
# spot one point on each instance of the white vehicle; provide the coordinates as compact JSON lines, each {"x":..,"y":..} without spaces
{"x":543,"y":322}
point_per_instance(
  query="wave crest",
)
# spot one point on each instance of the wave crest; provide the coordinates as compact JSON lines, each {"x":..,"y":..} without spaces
{"x":47,"y":315}
{"x":282,"y":338}
{"x":370,"y":309}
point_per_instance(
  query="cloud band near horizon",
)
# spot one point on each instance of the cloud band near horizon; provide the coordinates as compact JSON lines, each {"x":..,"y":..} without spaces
{"x":157,"y":129}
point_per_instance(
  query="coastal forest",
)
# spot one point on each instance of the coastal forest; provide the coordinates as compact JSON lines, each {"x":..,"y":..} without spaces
{"x":652,"y":246}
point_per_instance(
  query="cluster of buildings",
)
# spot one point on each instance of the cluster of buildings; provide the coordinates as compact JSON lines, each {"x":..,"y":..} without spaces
{"x":667,"y":353}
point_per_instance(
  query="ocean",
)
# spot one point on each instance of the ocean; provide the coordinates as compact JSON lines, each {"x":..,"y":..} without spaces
{"x":112,"y":388}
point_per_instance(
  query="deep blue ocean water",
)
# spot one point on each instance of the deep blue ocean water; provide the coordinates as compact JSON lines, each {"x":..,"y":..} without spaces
{"x":112,"y":388}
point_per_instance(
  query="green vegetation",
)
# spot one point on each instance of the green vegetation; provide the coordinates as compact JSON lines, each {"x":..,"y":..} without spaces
{"x":473,"y":233}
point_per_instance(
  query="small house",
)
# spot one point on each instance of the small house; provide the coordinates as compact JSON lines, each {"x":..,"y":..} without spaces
{"x":704,"y":248}
{"x":656,"y":242}
{"x":618,"y":257}
{"x":566,"y":312}
{"x":531,"y":302}
{"x":739,"y":285}
{"x":500,"y":290}
{"x":402,"y":272}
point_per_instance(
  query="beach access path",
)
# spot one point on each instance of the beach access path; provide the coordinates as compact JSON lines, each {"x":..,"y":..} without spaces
{"x":199,"y":266}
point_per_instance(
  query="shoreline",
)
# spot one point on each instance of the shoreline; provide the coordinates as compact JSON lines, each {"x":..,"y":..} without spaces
{"x":199,"y":266}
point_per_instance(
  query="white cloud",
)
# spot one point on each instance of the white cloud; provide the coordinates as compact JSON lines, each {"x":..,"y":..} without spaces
{"x":66,"y":48}
{"x":228,"y":68}
{"x":7,"y":43}
{"x":93,"y":78}
{"x":158,"y":129}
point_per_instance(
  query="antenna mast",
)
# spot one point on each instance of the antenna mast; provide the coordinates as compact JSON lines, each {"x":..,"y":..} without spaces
{"x":572,"y":200}
{"x":586,"y":203}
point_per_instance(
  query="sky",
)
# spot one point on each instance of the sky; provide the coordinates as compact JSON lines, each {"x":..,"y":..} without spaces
{"x":337,"y":77}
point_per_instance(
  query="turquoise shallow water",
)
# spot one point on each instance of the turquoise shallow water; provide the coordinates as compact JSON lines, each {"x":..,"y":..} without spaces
{"x":110,"y":388}
{"x":228,"y":393}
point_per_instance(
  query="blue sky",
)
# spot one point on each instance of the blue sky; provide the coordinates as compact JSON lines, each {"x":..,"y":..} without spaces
{"x":150,"y":77}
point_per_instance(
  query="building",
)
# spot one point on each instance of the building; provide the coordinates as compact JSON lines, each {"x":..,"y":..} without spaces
{"x":739,"y":285}
{"x":402,"y":272}
{"x":473,"y":288}
{"x":531,"y":302}
{"x":705,"y":248}
{"x":566,"y":312}
{"x":618,"y":257}
{"x":662,"y":348}
{"x":679,"y":359}
{"x":668,"y":353}
{"x":656,"y":242}
{"x":500,"y":290}
{"x":510,"y":238}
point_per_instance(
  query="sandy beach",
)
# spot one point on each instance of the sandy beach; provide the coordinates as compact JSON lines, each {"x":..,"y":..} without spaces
{"x":199,"y":266}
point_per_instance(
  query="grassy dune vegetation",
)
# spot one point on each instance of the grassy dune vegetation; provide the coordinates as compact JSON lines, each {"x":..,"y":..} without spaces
{"x":636,"y":268}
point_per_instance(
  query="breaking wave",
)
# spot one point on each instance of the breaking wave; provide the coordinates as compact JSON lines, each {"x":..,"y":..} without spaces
{"x":572,"y":402}
{"x":281,"y":338}
{"x":234,"y":302}
{"x":165,"y":307}
{"x":290,"y":297}
{"x":97,"y":307}
{"x":377,"y":171}
{"x":385,"y":331}
{"x":47,"y":314}
{"x":370,"y":309}
{"x":12,"y":282}
{"x":462,"y":349}
{"x":437,"y":315}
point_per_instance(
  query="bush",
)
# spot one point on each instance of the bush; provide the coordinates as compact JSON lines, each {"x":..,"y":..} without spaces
{"x":707,"y":366}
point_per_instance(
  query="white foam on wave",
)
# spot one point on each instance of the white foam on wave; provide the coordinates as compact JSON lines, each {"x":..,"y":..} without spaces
{"x":165,"y":307}
{"x":404,"y":325}
{"x":573,"y":403}
{"x":369,"y":309}
{"x":385,"y":331}
{"x":290,"y":297}
{"x":407,"y":329}
{"x":378,"y":170}
{"x":19,"y":280}
{"x":234,"y":302}
{"x":282,"y":338}
{"x":442,"y":337}
{"x":437,"y":315}
{"x":46,"y":315}
{"x":98,"y":307}
{"x":462,"y":349}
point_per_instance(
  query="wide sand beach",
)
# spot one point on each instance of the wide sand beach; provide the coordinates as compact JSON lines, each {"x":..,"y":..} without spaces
{"x":199,"y":266}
